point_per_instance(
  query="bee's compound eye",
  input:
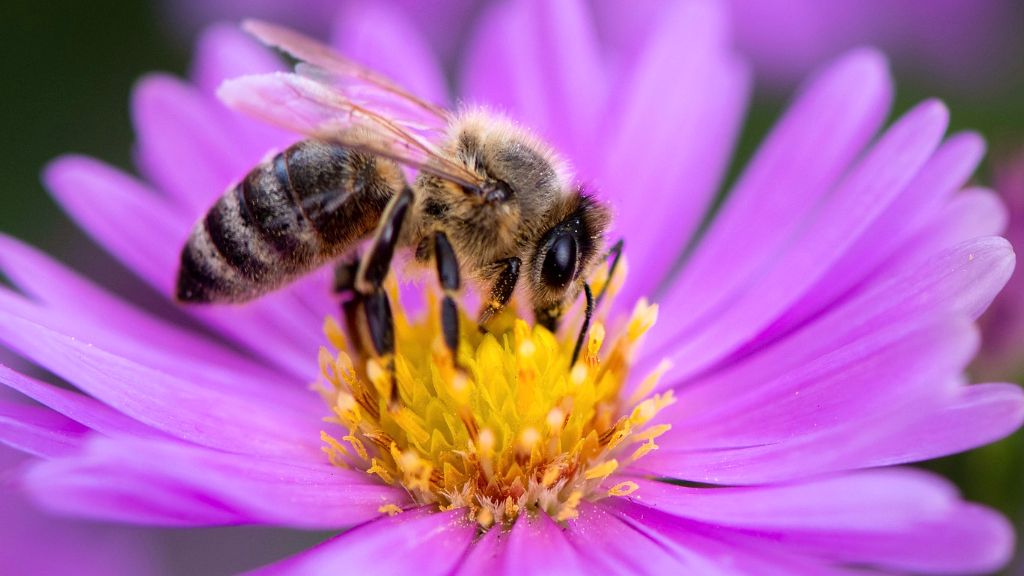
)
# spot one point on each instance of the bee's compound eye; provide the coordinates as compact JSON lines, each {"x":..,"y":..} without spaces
{"x":560,"y":261}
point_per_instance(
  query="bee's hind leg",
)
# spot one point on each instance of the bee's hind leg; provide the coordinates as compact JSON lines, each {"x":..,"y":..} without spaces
{"x":369,"y":283}
{"x":344,"y":286}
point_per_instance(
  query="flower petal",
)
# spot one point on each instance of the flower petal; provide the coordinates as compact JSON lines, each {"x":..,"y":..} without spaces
{"x":78,"y":407}
{"x":137,"y":226}
{"x":810,"y":147}
{"x":711,"y":549}
{"x":961,"y":279}
{"x":200,"y":414}
{"x":956,"y":537}
{"x":170,"y":483}
{"x":915,"y":207}
{"x":37,"y":543}
{"x":384,"y":38}
{"x":223,"y":51}
{"x":874,"y":500}
{"x":188,"y":144}
{"x":73,"y":301}
{"x":666,"y":137}
{"x":536,"y":544}
{"x":145,"y":232}
{"x":889,"y":370}
{"x":551,"y":78}
{"x":838,"y":223}
{"x":247,"y":379}
{"x":39,"y":431}
{"x":608,"y":545}
{"x":418,"y":542}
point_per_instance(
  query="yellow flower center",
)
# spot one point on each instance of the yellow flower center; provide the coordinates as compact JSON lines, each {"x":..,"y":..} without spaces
{"x":518,"y":430}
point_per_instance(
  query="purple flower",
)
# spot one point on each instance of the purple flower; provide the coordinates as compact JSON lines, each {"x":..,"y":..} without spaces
{"x":38,"y":543}
{"x":960,"y":43}
{"x":1002,"y":353}
{"x":816,"y":334}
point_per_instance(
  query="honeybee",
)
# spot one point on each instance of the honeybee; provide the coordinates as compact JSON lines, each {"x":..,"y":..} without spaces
{"x":489,"y":202}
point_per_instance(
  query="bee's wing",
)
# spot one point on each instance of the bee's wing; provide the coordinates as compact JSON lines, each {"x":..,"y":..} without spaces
{"x":318,"y":110}
{"x":324,"y":64}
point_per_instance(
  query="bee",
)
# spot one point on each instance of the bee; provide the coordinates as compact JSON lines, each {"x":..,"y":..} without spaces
{"x":489,"y":202}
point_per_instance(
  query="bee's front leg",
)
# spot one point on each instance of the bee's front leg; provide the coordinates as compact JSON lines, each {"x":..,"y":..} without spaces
{"x":501,"y":291}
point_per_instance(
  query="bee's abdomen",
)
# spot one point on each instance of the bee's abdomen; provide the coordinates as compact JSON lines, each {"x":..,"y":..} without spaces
{"x":289,"y":215}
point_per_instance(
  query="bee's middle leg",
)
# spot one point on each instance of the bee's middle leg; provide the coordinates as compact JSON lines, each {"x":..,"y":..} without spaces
{"x":448,"y":276}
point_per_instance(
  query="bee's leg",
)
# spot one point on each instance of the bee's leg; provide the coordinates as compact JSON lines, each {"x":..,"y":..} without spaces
{"x":344,"y":285}
{"x":448,"y":276}
{"x":615,"y":253}
{"x":501,"y":290}
{"x":369,"y":283}
{"x":588,"y":312}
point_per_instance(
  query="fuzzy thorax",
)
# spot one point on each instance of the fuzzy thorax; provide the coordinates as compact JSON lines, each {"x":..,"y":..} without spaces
{"x":517,"y":431}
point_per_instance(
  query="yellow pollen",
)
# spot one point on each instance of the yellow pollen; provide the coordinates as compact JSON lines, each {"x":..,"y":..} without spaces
{"x":623,"y":488}
{"x":511,"y":428}
{"x":390,"y":509}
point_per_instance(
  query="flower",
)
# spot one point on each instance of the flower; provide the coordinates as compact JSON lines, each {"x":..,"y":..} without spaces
{"x":816,"y":333}
{"x":956,"y":43}
{"x":1002,"y":355}
{"x":37,"y":543}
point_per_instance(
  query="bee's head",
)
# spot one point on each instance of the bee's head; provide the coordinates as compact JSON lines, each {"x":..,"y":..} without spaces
{"x":565,"y":255}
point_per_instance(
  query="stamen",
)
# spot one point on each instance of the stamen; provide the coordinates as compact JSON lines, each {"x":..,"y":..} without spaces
{"x":512,"y":430}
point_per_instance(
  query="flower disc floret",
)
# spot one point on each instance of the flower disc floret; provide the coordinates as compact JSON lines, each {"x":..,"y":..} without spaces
{"x":513,"y":430}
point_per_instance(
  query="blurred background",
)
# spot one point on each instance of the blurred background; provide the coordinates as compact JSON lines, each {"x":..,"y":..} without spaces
{"x":69,"y":68}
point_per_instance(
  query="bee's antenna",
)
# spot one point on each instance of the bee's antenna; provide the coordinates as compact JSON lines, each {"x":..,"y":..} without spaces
{"x":615,"y":253}
{"x":587,"y":313}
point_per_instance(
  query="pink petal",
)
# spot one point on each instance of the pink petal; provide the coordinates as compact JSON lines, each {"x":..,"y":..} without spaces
{"x":169,"y":483}
{"x":957,"y":420}
{"x":839,"y":222}
{"x":550,"y":77}
{"x":608,"y":545}
{"x":813,"y":144}
{"x":711,"y":549}
{"x":35,"y":542}
{"x":257,"y":382}
{"x":961,"y":538}
{"x":139,"y":228}
{"x":916,"y":206}
{"x":875,"y":500}
{"x":39,"y":431}
{"x":889,"y":370}
{"x":486,"y":553}
{"x":194,"y":412}
{"x":668,"y":143}
{"x":77,"y":407}
{"x":180,"y":127}
{"x":385,"y":39}
{"x":960,"y":280}
{"x":224,"y":51}
{"x":536,"y":544}
{"x":419,"y":541}
{"x":146,"y":233}
{"x":76,"y":302}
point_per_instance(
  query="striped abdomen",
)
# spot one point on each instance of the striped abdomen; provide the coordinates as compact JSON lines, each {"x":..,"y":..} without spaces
{"x":288,"y":216}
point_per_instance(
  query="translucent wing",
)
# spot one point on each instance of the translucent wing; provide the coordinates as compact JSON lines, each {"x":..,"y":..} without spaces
{"x":324,"y":64}
{"x":336,"y":100}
